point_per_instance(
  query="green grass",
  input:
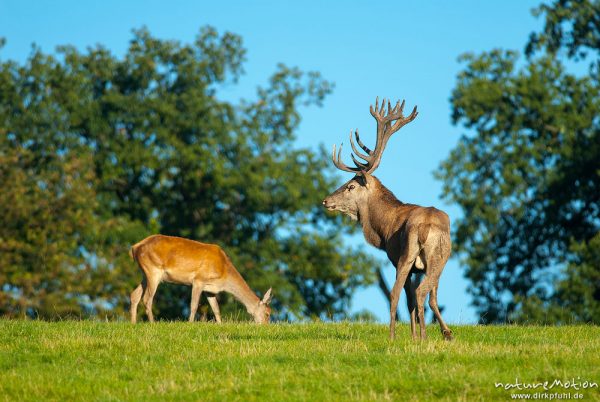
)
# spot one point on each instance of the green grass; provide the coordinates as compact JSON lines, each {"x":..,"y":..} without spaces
{"x":85,"y":360}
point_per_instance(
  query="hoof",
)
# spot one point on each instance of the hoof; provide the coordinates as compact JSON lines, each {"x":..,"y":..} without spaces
{"x":447,"y":335}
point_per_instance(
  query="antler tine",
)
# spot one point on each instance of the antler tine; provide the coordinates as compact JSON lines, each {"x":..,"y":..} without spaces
{"x":341,"y":165}
{"x":396,"y":113}
{"x":412,"y":115}
{"x":374,"y":110}
{"x":392,"y":113}
{"x":356,"y":151}
{"x":385,"y":129}
{"x":401,"y":121}
{"x":359,"y":164}
{"x":363,"y":146}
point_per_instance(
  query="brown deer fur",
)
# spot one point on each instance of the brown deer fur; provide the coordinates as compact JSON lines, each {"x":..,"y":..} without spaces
{"x":416,"y":239}
{"x":205,"y":267}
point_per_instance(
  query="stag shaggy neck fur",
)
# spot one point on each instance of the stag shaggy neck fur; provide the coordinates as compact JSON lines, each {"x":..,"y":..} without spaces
{"x":376,"y":215}
{"x":383,"y":215}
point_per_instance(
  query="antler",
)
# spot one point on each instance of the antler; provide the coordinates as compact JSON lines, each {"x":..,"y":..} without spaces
{"x":387,"y":124}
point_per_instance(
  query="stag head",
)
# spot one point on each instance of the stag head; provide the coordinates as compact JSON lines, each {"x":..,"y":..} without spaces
{"x":354,"y":193}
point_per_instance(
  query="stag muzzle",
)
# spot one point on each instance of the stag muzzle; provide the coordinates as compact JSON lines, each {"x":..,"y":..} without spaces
{"x":327,"y":203}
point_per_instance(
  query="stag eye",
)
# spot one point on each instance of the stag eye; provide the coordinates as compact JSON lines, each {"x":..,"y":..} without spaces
{"x":351,"y":187}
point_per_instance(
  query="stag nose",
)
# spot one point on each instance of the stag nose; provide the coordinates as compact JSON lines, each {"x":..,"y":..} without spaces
{"x":326,"y":203}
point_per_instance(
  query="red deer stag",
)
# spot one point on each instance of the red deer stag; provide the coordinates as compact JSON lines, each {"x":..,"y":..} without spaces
{"x":205,"y":267}
{"x":416,"y":239}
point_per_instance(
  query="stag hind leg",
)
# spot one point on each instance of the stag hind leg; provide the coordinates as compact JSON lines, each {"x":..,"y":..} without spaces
{"x":422,"y":291}
{"x":436,"y":260}
{"x":438,"y":316}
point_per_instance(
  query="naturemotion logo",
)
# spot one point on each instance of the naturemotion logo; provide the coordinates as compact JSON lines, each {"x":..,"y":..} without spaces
{"x":572,"y":383}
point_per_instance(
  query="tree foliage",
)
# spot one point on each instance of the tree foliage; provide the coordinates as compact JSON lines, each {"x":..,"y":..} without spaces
{"x":527,"y":175}
{"x":99,"y":151}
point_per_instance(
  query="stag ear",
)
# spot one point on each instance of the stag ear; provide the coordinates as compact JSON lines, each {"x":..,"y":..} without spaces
{"x":362,"y":177}
{"x":267,"y":297}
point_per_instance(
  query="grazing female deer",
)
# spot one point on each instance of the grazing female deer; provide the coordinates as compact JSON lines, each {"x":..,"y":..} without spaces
{"x":205,"y":267}
{"x":416,"y":239}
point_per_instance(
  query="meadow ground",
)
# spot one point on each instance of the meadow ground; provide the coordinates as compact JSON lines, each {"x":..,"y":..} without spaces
{"x":87,"y":360}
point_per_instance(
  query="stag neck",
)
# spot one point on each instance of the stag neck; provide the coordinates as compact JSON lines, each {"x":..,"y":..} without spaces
{"x":381,"y":196}
{"x":242,"y":292}
{"x":377,"y":215}
{"x":368,"y":218}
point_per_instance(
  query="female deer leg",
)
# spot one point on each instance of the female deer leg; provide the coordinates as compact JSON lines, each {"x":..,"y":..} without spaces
{"x":196,"y":292}
{"x":434,"y":307}
{"x":148,"y":297}
{"x":135,"y":297}
{"x":214,"y":305}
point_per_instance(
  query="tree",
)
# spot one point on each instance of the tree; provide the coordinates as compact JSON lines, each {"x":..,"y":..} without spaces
{"x":158,"y":150}
{"x":51,"y":222}
{"x":527,"y":174}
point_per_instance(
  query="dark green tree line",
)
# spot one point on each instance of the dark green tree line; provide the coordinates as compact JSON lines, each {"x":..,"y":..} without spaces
{"x":527,"y":173}
{"x":98,"y":151}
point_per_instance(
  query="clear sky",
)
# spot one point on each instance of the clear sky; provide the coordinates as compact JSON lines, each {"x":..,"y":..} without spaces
{"x":395,"y":49}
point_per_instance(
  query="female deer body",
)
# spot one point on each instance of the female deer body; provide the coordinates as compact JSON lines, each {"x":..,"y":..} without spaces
{"x":205,"y":267}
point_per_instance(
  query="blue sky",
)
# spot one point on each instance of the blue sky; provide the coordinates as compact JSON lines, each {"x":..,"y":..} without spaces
{"x":400,"y":49}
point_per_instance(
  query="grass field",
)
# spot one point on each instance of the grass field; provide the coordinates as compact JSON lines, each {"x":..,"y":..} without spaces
{"x":85,"y":360}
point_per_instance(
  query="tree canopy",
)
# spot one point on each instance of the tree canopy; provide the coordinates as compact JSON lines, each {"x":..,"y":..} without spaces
{"x":527,"y":172}
{"x":98,"y":151}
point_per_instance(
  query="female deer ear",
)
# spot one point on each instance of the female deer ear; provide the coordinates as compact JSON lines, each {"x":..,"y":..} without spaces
{"x":267,"y":297}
